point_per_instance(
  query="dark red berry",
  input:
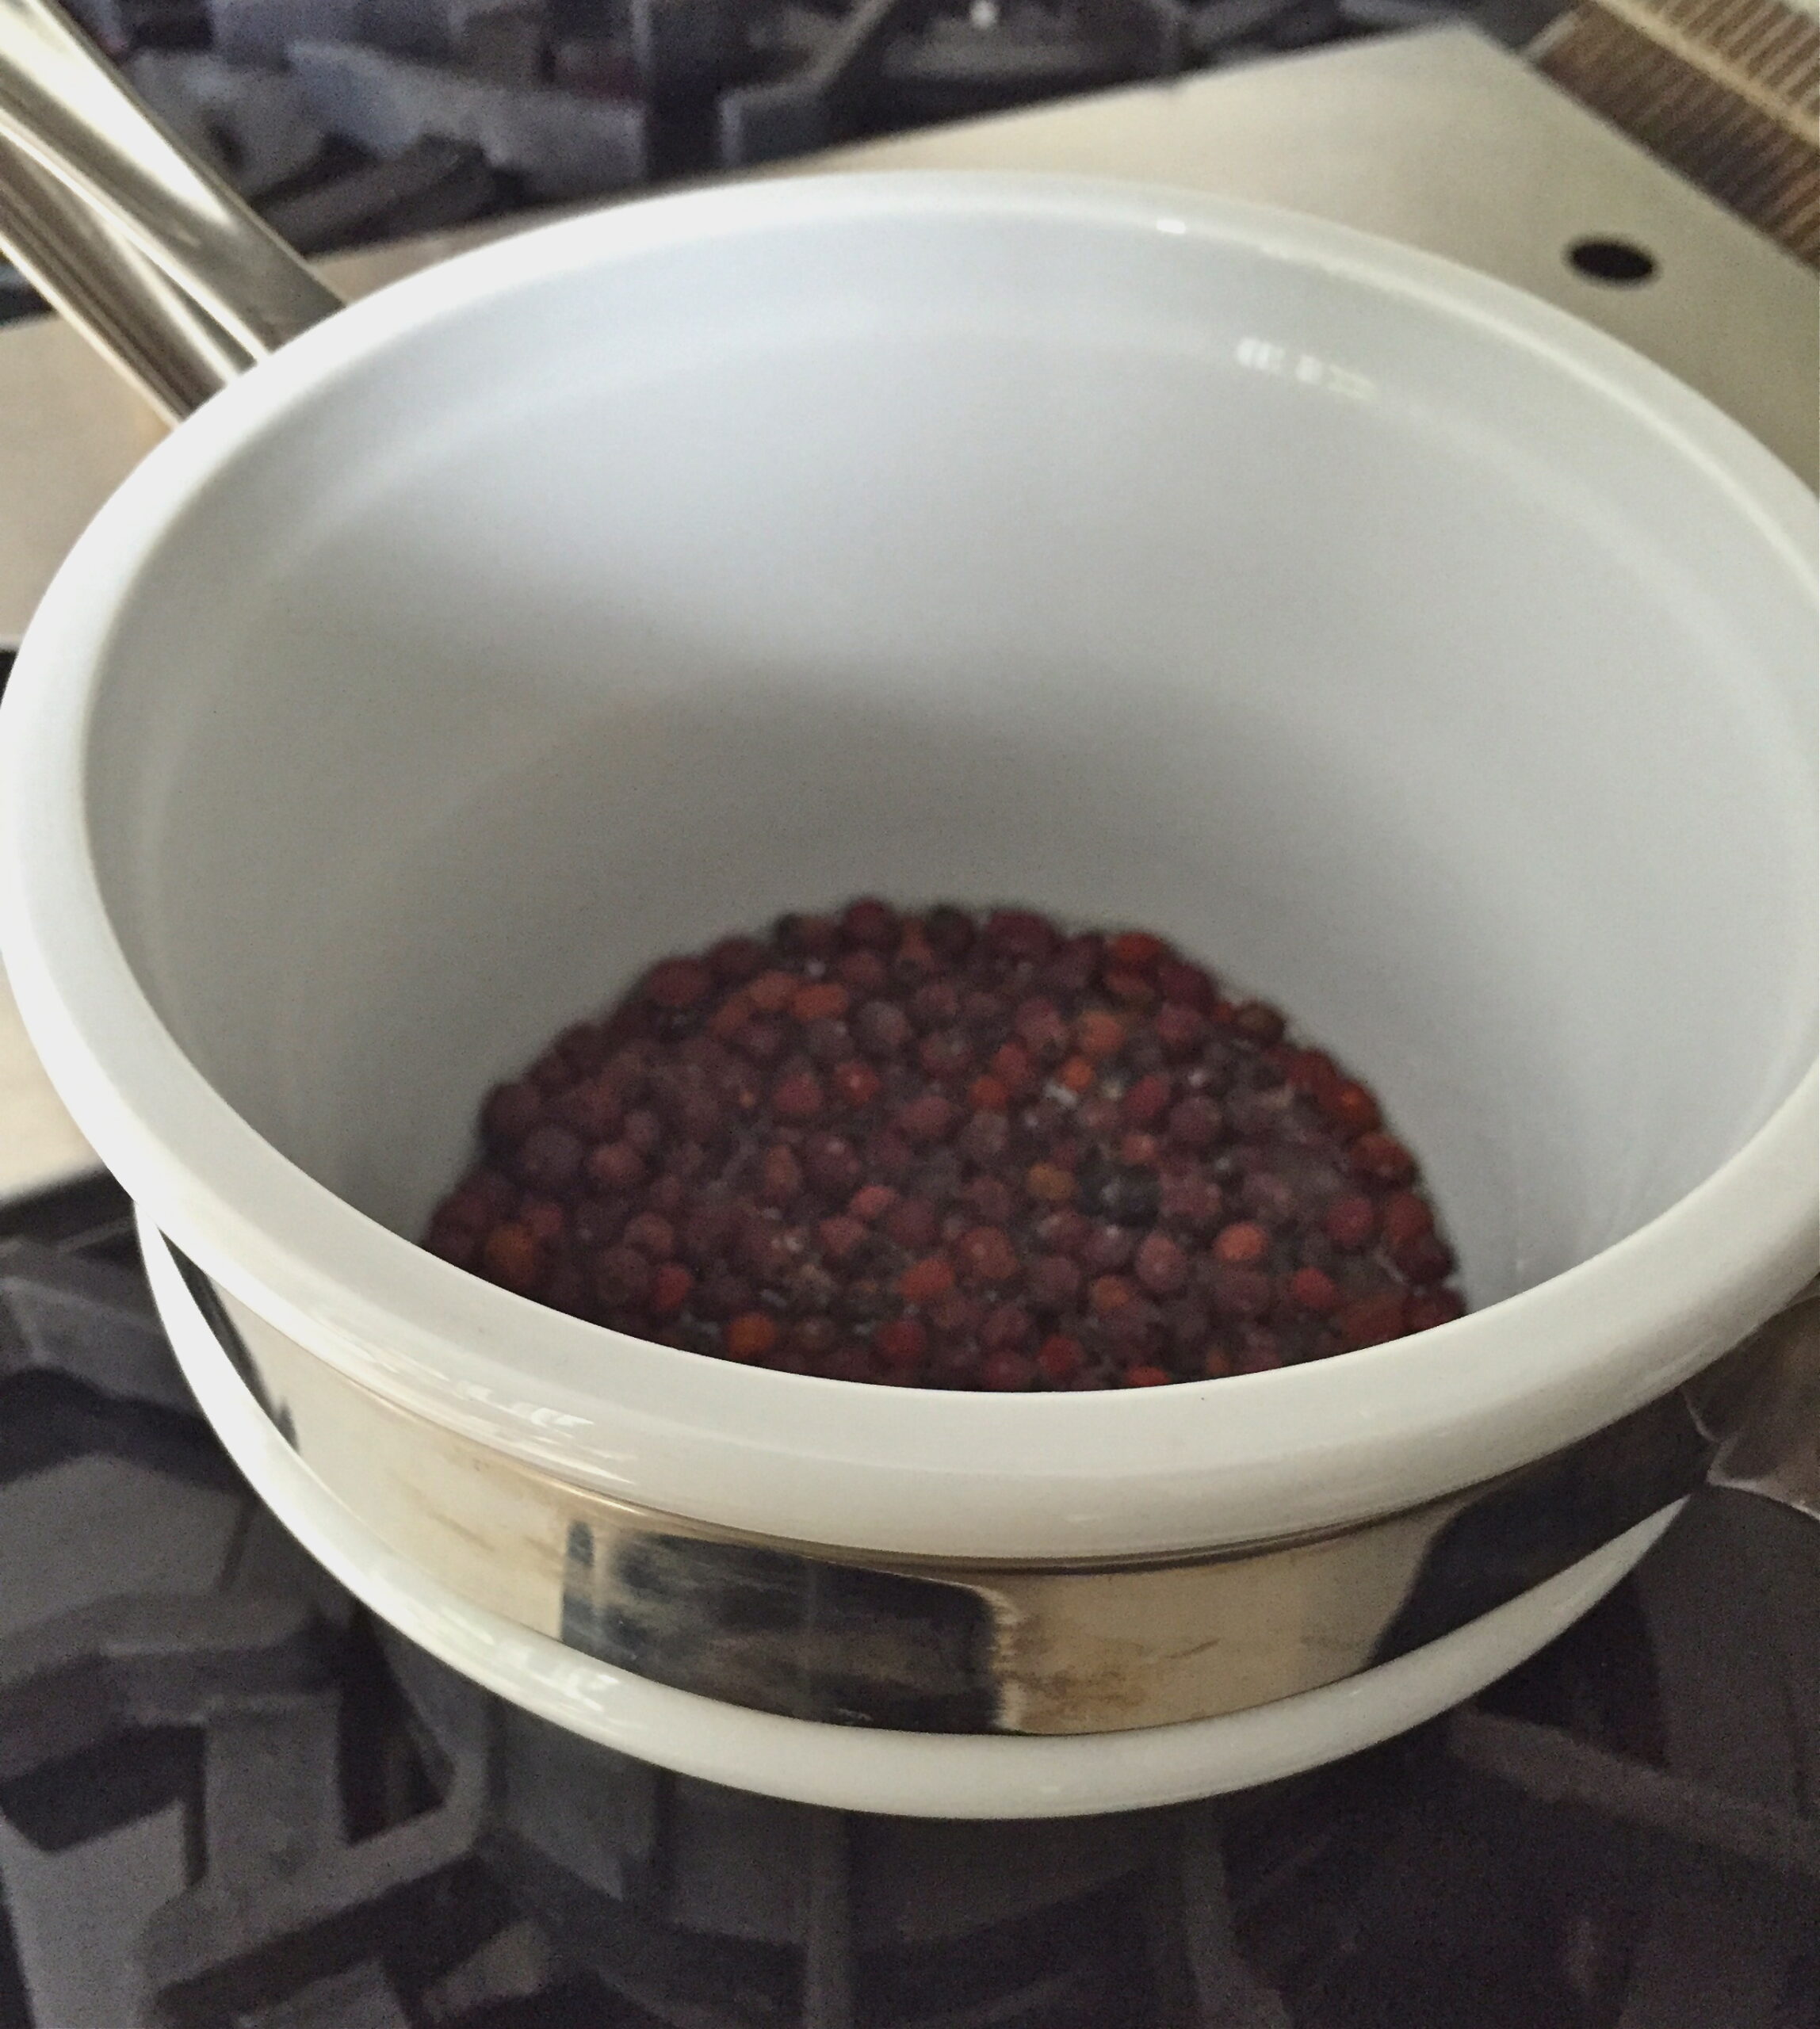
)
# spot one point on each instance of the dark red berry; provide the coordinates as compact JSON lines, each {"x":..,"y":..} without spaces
{"x":871,"y":1201}
{"x":911,"y":1224}
{"x":1428,"y":1308}
{"x":511,"y":1111}
{"x":1352,"y":1223}
{"x":1241,"y":1244}
{"x":670,"y":1289}
{"x":822,"y":1000}
{"x":769,"y":1149}
{"x":735,"y":960}
{"x":797,"y":1097}
{"x":926,"y":1120}
{"x":854,"y":1084}
{"x":1310,"y":1290}
{"x":1160,"y":1265}
{"x":1404,"y":1217}
{"x":622,"y":1275}
{"x":1427,"y":1258}
{"x":678,"y":983}
{"x":653,"y":1236}
{"x":1383,"y":1159}
{"x":780,"y":1176}
{"x":870,"y":923}
{"x":751,"y":1335}
{"x":1005,"y":1371}
{"x":549,"y":1159}
{"x":617,"y":1166}
{"x":925,"y":1280}
{"x":512,"y":1256}
{"x":1370,"y":1320}
{"x":1020,"y":934}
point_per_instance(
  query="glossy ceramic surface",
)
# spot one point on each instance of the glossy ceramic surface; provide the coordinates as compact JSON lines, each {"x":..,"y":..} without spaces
{"x":1434,"y":664}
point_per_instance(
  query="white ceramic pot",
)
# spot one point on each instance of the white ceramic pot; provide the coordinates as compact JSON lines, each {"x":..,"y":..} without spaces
{"x":1421,"y":659}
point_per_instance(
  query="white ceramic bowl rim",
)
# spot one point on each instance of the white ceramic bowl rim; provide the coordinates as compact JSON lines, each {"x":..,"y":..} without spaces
{"x":1142,"y":1471}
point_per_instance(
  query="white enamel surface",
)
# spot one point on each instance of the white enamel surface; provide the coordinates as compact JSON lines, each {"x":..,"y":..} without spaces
{"x":1434,"y":664}
{"x":851,"y":1768}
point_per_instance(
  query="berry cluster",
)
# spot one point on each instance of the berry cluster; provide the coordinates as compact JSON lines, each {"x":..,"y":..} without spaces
{"x":931,"y":1150}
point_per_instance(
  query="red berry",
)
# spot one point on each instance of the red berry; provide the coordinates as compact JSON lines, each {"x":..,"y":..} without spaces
{"x":511,"y":1111}
{"x":797,"y":1097}
{"x":1404,"y":1217}
{"x":1195,"y":1124}
{"x":1428,"y":1308}
{"x":1012,"y":1067}
{"x":1132,"y":988}
{"x":925,"y":1280}
{"x":1050,"y":1184}
{"x":622,"y":1276}
{"x":1144,"y":1377}
{"x":901,"y":1341}
{"x":771,"y":993}
{"x":1312,"y":1289}
{"x":1370,"y":1320}
{"x":821,"y":1001}
{"x":654,"y":1237}
{"x":780,"y":1176}
{"x":1352,"y":1108}
{"x":670,"y":1289}
{"x":1099,"y":1034}
{"x":1351,"y":1223}
{"x":840,"y":1236}
{"x":1161,"y":1265}
{"x":1241,"y":1244}
{"x":870,"y":923}
{"x":1241,"y":1292}
{"x":751,"y":1335}
{"x":1259,"y":1022}
{"x":1005,"y":1371}
{"x":910,"y":1224}
{"x":1428,"y":1259}
{"x":617,"y":1166}
{"x":678,"y":983}
{"x":512,"y":1256}
{"x":1145,"y":1102}
{"x":985,"y":1255}
{"x":1108,"y":1293}
{"x":1060,"y":1357}
{"x":856,"y":1083}
{"x":1020,"y":934}
{"x":863,"y":973}
{"x":1383,"y":1159}
{"x":871,"y":1201}
{"x":735,"y":960}
{"x":1187,"y":984}
{"x":925,"y":1120}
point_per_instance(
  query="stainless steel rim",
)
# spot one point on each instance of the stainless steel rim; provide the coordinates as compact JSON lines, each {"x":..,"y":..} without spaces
{"x":948,"y":1646}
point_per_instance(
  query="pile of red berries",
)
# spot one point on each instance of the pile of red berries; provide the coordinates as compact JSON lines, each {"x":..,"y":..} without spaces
{"x":933,"y":1150}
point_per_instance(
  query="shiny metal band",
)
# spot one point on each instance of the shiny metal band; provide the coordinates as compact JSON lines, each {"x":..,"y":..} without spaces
{"x":944,"y":1646}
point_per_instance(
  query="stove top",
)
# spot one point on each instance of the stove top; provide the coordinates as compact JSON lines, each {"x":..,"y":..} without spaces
{"x":230,"y":1800}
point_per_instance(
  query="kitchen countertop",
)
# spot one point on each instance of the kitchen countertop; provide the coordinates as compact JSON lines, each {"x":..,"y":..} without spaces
{"x":1441,"y":139}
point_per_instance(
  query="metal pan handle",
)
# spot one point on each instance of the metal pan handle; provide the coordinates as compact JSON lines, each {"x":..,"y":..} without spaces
{"x":149,"y":254}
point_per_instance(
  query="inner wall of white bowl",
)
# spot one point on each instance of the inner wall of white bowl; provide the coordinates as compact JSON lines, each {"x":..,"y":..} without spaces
{"x":1388,"y":667}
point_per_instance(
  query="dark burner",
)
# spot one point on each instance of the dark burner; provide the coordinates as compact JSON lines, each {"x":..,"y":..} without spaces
{"x":348,"y":122}
{"x":228,"y":1800}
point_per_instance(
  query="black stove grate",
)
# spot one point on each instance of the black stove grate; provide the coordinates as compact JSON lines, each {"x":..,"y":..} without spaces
{"x":229,"y":1801}
{"x":350,"y":122}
